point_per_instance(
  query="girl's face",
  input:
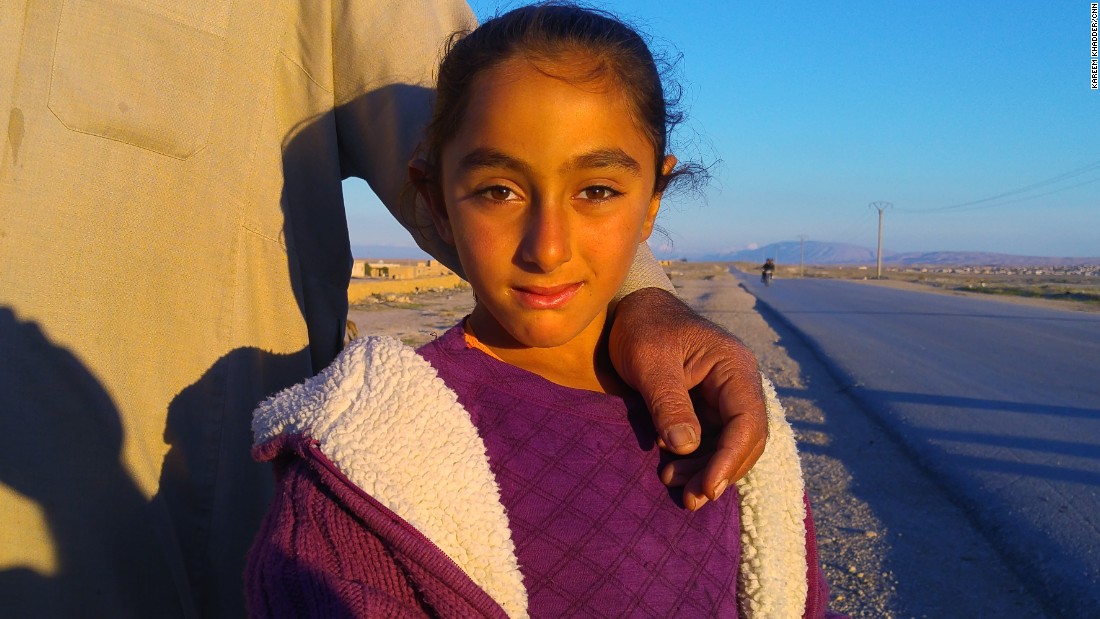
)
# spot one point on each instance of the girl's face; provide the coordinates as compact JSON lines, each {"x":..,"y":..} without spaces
{"x":548,"y":189}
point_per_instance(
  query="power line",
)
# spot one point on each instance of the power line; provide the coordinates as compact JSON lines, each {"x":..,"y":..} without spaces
{"x":1006,"y":202}
{"x":993,"y":201}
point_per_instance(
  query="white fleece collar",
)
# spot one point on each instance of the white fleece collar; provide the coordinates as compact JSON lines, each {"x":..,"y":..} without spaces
{"x":383,"y":416}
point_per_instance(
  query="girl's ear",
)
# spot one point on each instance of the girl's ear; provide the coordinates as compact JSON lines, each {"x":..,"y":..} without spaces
{"x":424,"y":177}
{"x":655,"y":202}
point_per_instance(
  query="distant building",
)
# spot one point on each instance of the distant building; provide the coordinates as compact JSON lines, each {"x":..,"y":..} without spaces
{"x":397,"y":269}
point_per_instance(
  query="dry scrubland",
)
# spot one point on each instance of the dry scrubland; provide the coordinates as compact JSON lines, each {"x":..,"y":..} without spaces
{"x":1068,"y":291}
{"x":412,"y":316}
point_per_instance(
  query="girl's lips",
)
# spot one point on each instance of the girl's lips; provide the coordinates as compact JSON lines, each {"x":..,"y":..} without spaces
{"x":540,"y":297}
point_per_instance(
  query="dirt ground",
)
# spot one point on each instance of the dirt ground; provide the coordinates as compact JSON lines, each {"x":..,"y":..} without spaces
{"x":891,"y":542}
{"x":414,"y":319}
{"x":1064,"y":292}
{"x":1032,"y":301}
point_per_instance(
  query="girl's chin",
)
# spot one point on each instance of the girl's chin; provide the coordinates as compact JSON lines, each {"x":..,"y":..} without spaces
{"x":539,"y":329}
{"x":539,"y":339}
{"x":543,"y":335}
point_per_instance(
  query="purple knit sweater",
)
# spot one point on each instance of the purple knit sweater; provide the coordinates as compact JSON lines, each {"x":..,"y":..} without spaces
{"x":594,"y":533}
{"x":595,"y":530}
{"x":327,"y":550}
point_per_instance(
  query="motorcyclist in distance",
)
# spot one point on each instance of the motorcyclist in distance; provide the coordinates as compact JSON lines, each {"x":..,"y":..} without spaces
{"x":767,"y":271}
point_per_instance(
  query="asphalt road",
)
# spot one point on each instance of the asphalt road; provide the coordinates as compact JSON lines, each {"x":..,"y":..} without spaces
{"x":1001,"y":402}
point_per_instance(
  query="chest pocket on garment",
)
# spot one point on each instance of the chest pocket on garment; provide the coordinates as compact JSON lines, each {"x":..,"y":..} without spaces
{"x":143,"y":72}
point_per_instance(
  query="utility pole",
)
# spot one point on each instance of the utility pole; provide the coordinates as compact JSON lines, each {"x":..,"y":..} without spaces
{"x":880,"y":207}
{"x":801,"y":255}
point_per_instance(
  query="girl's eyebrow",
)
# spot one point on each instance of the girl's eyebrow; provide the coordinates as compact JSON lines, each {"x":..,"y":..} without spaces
{"x":484,"y":157}
{"x":606,"y":158}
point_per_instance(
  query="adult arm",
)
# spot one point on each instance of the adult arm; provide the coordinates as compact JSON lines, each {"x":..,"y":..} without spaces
{"x":385,"y":54}
{"x":383,"y":63}
{"x":701,"y":384}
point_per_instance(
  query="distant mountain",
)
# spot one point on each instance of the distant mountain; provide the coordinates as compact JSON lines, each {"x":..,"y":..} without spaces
{"x":387,"y":251}
{"x":818,"y":252}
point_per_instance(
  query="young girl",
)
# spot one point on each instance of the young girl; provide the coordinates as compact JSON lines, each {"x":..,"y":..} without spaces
{"x":504,"y":469}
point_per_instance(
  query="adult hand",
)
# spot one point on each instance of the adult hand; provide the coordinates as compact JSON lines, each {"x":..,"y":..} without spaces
{"x":662,"y":348}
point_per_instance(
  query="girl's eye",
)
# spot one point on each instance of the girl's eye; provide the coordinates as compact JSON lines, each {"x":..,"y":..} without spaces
{"x":498,"y":193}
{"x":598,"y":193}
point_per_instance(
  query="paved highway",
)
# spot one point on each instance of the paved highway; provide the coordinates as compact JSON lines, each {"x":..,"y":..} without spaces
{"x":1000,"y":401}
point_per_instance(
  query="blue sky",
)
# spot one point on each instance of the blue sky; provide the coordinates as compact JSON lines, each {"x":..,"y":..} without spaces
{"x":975,"y":119}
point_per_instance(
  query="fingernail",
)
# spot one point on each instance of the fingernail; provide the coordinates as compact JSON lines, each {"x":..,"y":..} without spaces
{"x":719,"y":488}
{"x":682,"y":436}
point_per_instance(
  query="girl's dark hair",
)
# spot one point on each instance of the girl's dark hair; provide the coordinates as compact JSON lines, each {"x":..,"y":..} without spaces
{"x":546,"y":32}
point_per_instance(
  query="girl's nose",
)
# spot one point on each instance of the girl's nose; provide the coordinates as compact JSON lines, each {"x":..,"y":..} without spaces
{"x":546,"y":240}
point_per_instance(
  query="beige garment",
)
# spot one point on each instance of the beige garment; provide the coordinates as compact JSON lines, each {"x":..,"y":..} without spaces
{"x":173,"y":248}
